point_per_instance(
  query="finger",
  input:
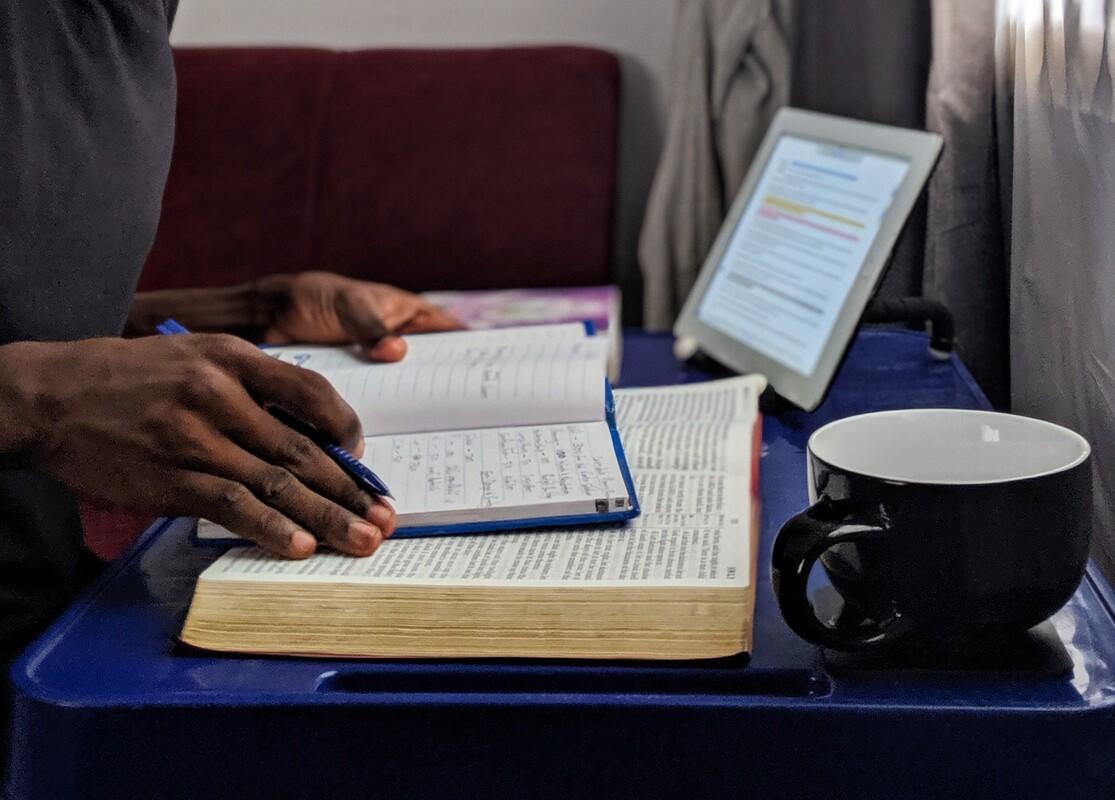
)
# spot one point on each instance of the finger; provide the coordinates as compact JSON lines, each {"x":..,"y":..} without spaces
{"x":302,"y":392}
{"x":361,"y":317}
{"x":280,"y":489}
{"x":235,"y":507}
{"x":309,"y":397}
{"x":431,"y":319}
{"x":384,"y":516}
{"x":269,"y":440}
{"x":388,"y":349}
{"x":397,"y":309}
{"x":258,"y":432}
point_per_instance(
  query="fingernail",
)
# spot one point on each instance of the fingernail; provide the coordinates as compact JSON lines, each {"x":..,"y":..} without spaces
{"x":364,"y":537}
{"x":302,"y":543}
{"x":389,"y":348}
{"x":382,"y":516}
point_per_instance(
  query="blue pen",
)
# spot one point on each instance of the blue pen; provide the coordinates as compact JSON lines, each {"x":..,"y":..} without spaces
{"x":364,"y":477}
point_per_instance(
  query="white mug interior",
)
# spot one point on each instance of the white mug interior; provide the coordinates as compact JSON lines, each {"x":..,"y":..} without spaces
{"x":948,"y":446}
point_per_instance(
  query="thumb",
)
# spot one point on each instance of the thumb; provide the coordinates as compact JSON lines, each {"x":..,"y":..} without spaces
{"x":360,"y":318}
{"x":388,"y":349}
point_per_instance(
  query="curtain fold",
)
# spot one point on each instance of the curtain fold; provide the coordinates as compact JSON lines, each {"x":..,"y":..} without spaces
{"x":869,"y":60}
{"x":730,"y":74}
{"x":1060,"y":59}
{"x":966,"y":239}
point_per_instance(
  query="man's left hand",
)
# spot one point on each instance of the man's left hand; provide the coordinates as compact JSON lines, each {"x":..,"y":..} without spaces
{"x":323,"y":308}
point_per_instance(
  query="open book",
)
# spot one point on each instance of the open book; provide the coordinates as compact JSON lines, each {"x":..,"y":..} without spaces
{"x":676,"y":583}
{"x":485,"y":430}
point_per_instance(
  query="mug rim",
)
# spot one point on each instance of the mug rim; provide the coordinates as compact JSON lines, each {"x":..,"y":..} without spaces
{"x":1086,"y":448}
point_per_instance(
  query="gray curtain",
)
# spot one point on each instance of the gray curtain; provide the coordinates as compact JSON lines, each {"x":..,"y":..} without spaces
{"x":1059,"y":57}
{"x":869,"y":59}
{"x":1022,"y":211}
{"x":730,"y":74}
{"x":967,"y":241}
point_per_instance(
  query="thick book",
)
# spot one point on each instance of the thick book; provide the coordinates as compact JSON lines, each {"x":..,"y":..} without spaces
{"x":485,"y":430}
{"x":503,"y":308}
{"x":676,"y":583}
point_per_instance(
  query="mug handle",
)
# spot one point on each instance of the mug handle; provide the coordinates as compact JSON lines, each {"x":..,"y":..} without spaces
{"x":802,"y":540}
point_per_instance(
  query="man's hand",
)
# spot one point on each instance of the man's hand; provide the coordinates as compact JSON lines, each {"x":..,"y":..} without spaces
{"x":324,"y":308}
{"x":311,"y":307}
{"x":178,"y":426}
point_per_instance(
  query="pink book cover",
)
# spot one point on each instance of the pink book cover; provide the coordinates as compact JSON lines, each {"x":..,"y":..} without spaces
{"x":505,"y":308}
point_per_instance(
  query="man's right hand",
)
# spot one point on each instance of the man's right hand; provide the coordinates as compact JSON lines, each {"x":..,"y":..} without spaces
{"x":178,"y":425}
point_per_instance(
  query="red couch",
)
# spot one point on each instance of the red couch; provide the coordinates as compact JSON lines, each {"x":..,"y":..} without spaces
{"x":423,"y":168}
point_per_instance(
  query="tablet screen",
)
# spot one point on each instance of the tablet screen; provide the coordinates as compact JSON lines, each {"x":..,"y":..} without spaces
{"x":799,"y":246}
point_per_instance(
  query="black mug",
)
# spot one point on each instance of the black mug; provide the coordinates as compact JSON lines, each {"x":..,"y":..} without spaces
{"x":937,"y":525}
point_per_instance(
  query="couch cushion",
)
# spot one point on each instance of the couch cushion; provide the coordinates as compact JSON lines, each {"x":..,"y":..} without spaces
{"x":424,"y":168}
{"x":244,"y":152}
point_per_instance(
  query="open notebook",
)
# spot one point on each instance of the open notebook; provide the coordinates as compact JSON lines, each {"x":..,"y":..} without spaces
{"x":485,"y":430}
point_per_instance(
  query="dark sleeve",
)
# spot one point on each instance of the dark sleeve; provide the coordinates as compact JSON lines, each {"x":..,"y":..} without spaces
{"x":87,"y":101}
{"x":42,"y":558}
{"x":86,"y":127}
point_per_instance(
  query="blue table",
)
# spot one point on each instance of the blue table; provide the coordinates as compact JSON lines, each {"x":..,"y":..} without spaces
{"x":106,"y":705}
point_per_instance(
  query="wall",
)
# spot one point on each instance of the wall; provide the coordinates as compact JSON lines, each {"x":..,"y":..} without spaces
{"x":637,"y":30}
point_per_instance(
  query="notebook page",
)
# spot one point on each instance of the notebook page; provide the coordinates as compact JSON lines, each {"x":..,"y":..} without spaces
{"x":471,"y":379}
{"x":553,"y":470}
{"x":566,"y":331}
{"x":493,"y":474}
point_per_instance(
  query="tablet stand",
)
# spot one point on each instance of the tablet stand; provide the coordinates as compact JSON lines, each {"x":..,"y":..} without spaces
{"x":922,"y":310}
{"x":934,"y":313}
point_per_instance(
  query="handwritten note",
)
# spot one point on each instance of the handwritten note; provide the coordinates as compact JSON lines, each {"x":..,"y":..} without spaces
{"x":513,"y":468}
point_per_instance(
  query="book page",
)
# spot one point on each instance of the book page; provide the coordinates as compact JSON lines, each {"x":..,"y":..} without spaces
{"x":521,"y":467}
{"x":709,"y":549}
{"x":647,"y":557}
{"x":541,"y":375}
{"x":679,"y":498}
{"x":696,"y":446}
{"x":728,"y":400}
{"x":696,"y":427}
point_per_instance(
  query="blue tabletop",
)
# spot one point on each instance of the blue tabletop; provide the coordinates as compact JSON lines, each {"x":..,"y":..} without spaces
{"x":108,"y":690}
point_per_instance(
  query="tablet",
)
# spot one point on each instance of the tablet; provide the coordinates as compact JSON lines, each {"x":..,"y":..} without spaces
{"x":804,"y":246}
